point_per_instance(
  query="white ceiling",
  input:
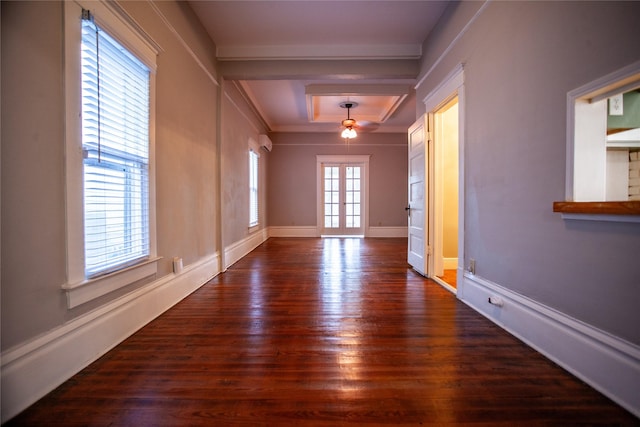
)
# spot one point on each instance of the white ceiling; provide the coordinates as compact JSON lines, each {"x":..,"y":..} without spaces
{"x":319,"y":53}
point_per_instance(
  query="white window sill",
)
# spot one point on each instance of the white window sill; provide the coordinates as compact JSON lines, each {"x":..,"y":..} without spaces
{"x":609,"y":218}
{"x":80,"y":293}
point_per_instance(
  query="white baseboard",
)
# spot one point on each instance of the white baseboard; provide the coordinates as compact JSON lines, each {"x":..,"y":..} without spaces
{"x":293,"y":231}
{"x":387,"y":232}
{"x":609,"y":364}
{"x":35,"y":368}
{"x":237,"y":250}
{"x":312,"y":231}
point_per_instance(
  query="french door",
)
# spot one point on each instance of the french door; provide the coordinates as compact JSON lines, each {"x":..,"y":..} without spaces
{"x":342,"y":208}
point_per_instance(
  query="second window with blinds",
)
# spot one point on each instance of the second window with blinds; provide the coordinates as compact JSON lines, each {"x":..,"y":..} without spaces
{"x":253,"y":188}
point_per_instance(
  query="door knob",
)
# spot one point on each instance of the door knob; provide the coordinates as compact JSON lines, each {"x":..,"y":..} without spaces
{"x":407,"y":208}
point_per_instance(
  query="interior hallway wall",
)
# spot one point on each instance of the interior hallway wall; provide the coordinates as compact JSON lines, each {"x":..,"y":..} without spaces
{"x":33,"y":180}
{"x":292,"y":176}
{"x":520,"y":59}
{"x":239,"y":128}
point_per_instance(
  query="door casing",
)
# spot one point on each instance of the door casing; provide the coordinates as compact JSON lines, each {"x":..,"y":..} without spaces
{"x":359,"y":160}
{"x":452,"y":86}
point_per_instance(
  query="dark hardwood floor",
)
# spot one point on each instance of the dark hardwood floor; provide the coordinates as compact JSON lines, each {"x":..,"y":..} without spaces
{"x":323,"y":332}
{"x":449,"y":276}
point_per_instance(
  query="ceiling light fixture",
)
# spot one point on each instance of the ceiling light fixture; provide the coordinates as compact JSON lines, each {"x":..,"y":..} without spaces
{"x":349,"y":123}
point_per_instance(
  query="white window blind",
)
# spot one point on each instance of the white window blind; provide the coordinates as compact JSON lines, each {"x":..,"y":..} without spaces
{"x":253,"y":188}
{"x":115,"y":142}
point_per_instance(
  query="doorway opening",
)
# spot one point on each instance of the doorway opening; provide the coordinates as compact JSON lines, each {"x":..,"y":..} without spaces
{"x":342,"y":195}
{"x":446,"y":143}
{"x":436,"y":185}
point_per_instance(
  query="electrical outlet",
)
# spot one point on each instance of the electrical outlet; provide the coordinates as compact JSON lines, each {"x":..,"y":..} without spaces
{"x":616,"y":105}
{"x":497,"y":301}
{"x":472,"y":266}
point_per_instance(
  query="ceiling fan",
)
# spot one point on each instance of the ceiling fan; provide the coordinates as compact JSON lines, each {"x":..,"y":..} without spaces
{"x":350,"y":125}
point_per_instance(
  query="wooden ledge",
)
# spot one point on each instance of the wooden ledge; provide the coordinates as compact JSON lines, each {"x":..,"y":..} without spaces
{"x":598,"y":208}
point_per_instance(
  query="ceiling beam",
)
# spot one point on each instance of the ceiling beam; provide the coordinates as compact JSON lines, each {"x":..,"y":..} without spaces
{"x":320,"y":52}
{"x":406,"y":69}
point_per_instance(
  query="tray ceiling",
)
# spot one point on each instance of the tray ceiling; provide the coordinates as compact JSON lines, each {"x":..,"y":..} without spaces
{"x":298,"y":37}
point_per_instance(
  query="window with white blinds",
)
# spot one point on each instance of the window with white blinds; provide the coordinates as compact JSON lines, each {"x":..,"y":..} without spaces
{"x":115,"y":144}
{"x":253,"y":188}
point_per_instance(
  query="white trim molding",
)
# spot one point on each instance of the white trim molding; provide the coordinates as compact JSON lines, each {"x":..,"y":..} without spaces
{"x":452,"y":44}
{"x":607,"y":363}
{"x":312,"y":231}
{"x":600,"y":217}
{"x":335,"y":160}
{"x":182,"y":41}
{"x":293,"y":231}
{"x":387,"y":231}
{"x":239,"y":249}
{"x":91,"y":289}
{"x":449,"y":88}
{"x":35,"y":368}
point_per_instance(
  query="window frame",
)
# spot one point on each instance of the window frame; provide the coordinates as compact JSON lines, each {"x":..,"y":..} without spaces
{"x":579,"y":102}
{"x":111,"y":18}
{"x":254,"y":178}
{"x":116,"y":158}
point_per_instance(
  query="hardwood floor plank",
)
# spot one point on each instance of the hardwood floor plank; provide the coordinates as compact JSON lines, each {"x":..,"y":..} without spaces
{"x":323,"y":332}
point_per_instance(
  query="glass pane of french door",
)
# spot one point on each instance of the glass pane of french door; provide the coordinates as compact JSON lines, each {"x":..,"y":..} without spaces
{"x":331,"y":197}
{"x":352,"y":197}
{"x":342,"y":188}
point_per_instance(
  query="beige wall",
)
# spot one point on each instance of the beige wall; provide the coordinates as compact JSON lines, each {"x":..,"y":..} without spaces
{"x":238,"y":128}
{"x":185,"y":143}
{"x":33,"y":180}
{"x":292,"y":176}
{"x":33,"y":192}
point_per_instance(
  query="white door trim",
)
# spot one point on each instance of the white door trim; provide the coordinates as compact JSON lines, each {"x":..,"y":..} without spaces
{"x":450,"y":87}
{"x":363,"y":160}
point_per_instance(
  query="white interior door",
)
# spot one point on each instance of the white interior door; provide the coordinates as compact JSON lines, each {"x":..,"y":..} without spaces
{"x":418,"y":249}
{"x":342,"y":199}
{"x":442,"y":206}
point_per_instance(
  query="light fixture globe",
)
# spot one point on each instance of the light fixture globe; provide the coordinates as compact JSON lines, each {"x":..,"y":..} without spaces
{"x":349,"y":133}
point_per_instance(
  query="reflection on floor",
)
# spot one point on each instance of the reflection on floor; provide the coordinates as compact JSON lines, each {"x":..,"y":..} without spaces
{"x":322,"y":332}
{"x":449,"y":276}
